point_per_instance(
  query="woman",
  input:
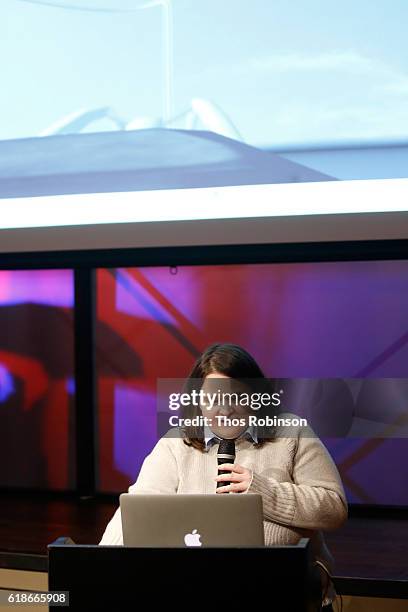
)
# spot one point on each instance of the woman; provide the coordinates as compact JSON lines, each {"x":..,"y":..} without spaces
{"x":291,"y":469}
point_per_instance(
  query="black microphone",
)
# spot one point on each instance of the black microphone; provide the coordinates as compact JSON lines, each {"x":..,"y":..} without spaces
{"x":226,"y":454}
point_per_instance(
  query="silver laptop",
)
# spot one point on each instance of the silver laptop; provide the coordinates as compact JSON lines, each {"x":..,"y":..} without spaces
{"x":194,"y":520}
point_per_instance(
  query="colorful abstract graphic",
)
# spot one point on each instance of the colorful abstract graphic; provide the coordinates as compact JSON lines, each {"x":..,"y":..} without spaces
{"x":311,"y":320}
{"x":36,"y":370}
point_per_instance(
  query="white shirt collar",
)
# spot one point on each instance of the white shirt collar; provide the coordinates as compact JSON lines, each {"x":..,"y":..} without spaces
{"x":211,"y":438}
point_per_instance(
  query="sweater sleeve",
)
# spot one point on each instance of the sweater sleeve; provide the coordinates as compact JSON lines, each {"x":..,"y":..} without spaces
{"x":158,"y":474}
{"x":315,"y":498}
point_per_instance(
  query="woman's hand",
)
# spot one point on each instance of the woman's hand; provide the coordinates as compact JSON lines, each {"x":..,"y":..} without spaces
{"x":240,"y":478}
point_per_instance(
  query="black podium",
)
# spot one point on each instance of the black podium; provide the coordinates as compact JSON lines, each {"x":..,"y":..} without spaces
{"x":121,"y":578}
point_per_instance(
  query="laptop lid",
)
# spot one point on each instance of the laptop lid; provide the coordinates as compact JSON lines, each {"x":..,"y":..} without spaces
{"x":192,"y":520}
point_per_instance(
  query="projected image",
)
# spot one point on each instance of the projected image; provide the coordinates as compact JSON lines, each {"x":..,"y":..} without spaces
{"x":302,"y":94}
{"x":36,"y":379}
{"x":309,"y":320}
{"x":283,"y":75}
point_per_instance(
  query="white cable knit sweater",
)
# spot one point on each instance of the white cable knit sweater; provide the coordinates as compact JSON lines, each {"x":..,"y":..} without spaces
{"x":300,"y":486}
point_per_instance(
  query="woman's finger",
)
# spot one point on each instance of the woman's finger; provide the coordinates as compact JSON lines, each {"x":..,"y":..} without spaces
{"x":230,"y":477}
{"x":232,"y":488}
{"x":232,"y":467}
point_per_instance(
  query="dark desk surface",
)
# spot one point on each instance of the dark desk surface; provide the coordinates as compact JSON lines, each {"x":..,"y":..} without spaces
{"x":371,"y":553}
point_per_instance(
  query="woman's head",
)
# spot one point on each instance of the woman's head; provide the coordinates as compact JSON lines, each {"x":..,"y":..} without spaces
{"x":228,"y":359}
{"x":225,"y":371}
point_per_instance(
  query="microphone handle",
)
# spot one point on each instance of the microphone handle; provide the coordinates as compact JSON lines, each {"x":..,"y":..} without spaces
{"x":224,"y":459}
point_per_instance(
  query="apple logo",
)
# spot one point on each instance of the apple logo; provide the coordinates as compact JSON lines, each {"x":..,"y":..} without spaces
{"x":192,"y":539}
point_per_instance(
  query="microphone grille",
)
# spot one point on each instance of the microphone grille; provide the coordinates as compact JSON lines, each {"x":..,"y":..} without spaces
{"x":226,"y":447}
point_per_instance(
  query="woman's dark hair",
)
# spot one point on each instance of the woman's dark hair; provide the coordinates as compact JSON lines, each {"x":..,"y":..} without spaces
{"x":235,"y":362}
